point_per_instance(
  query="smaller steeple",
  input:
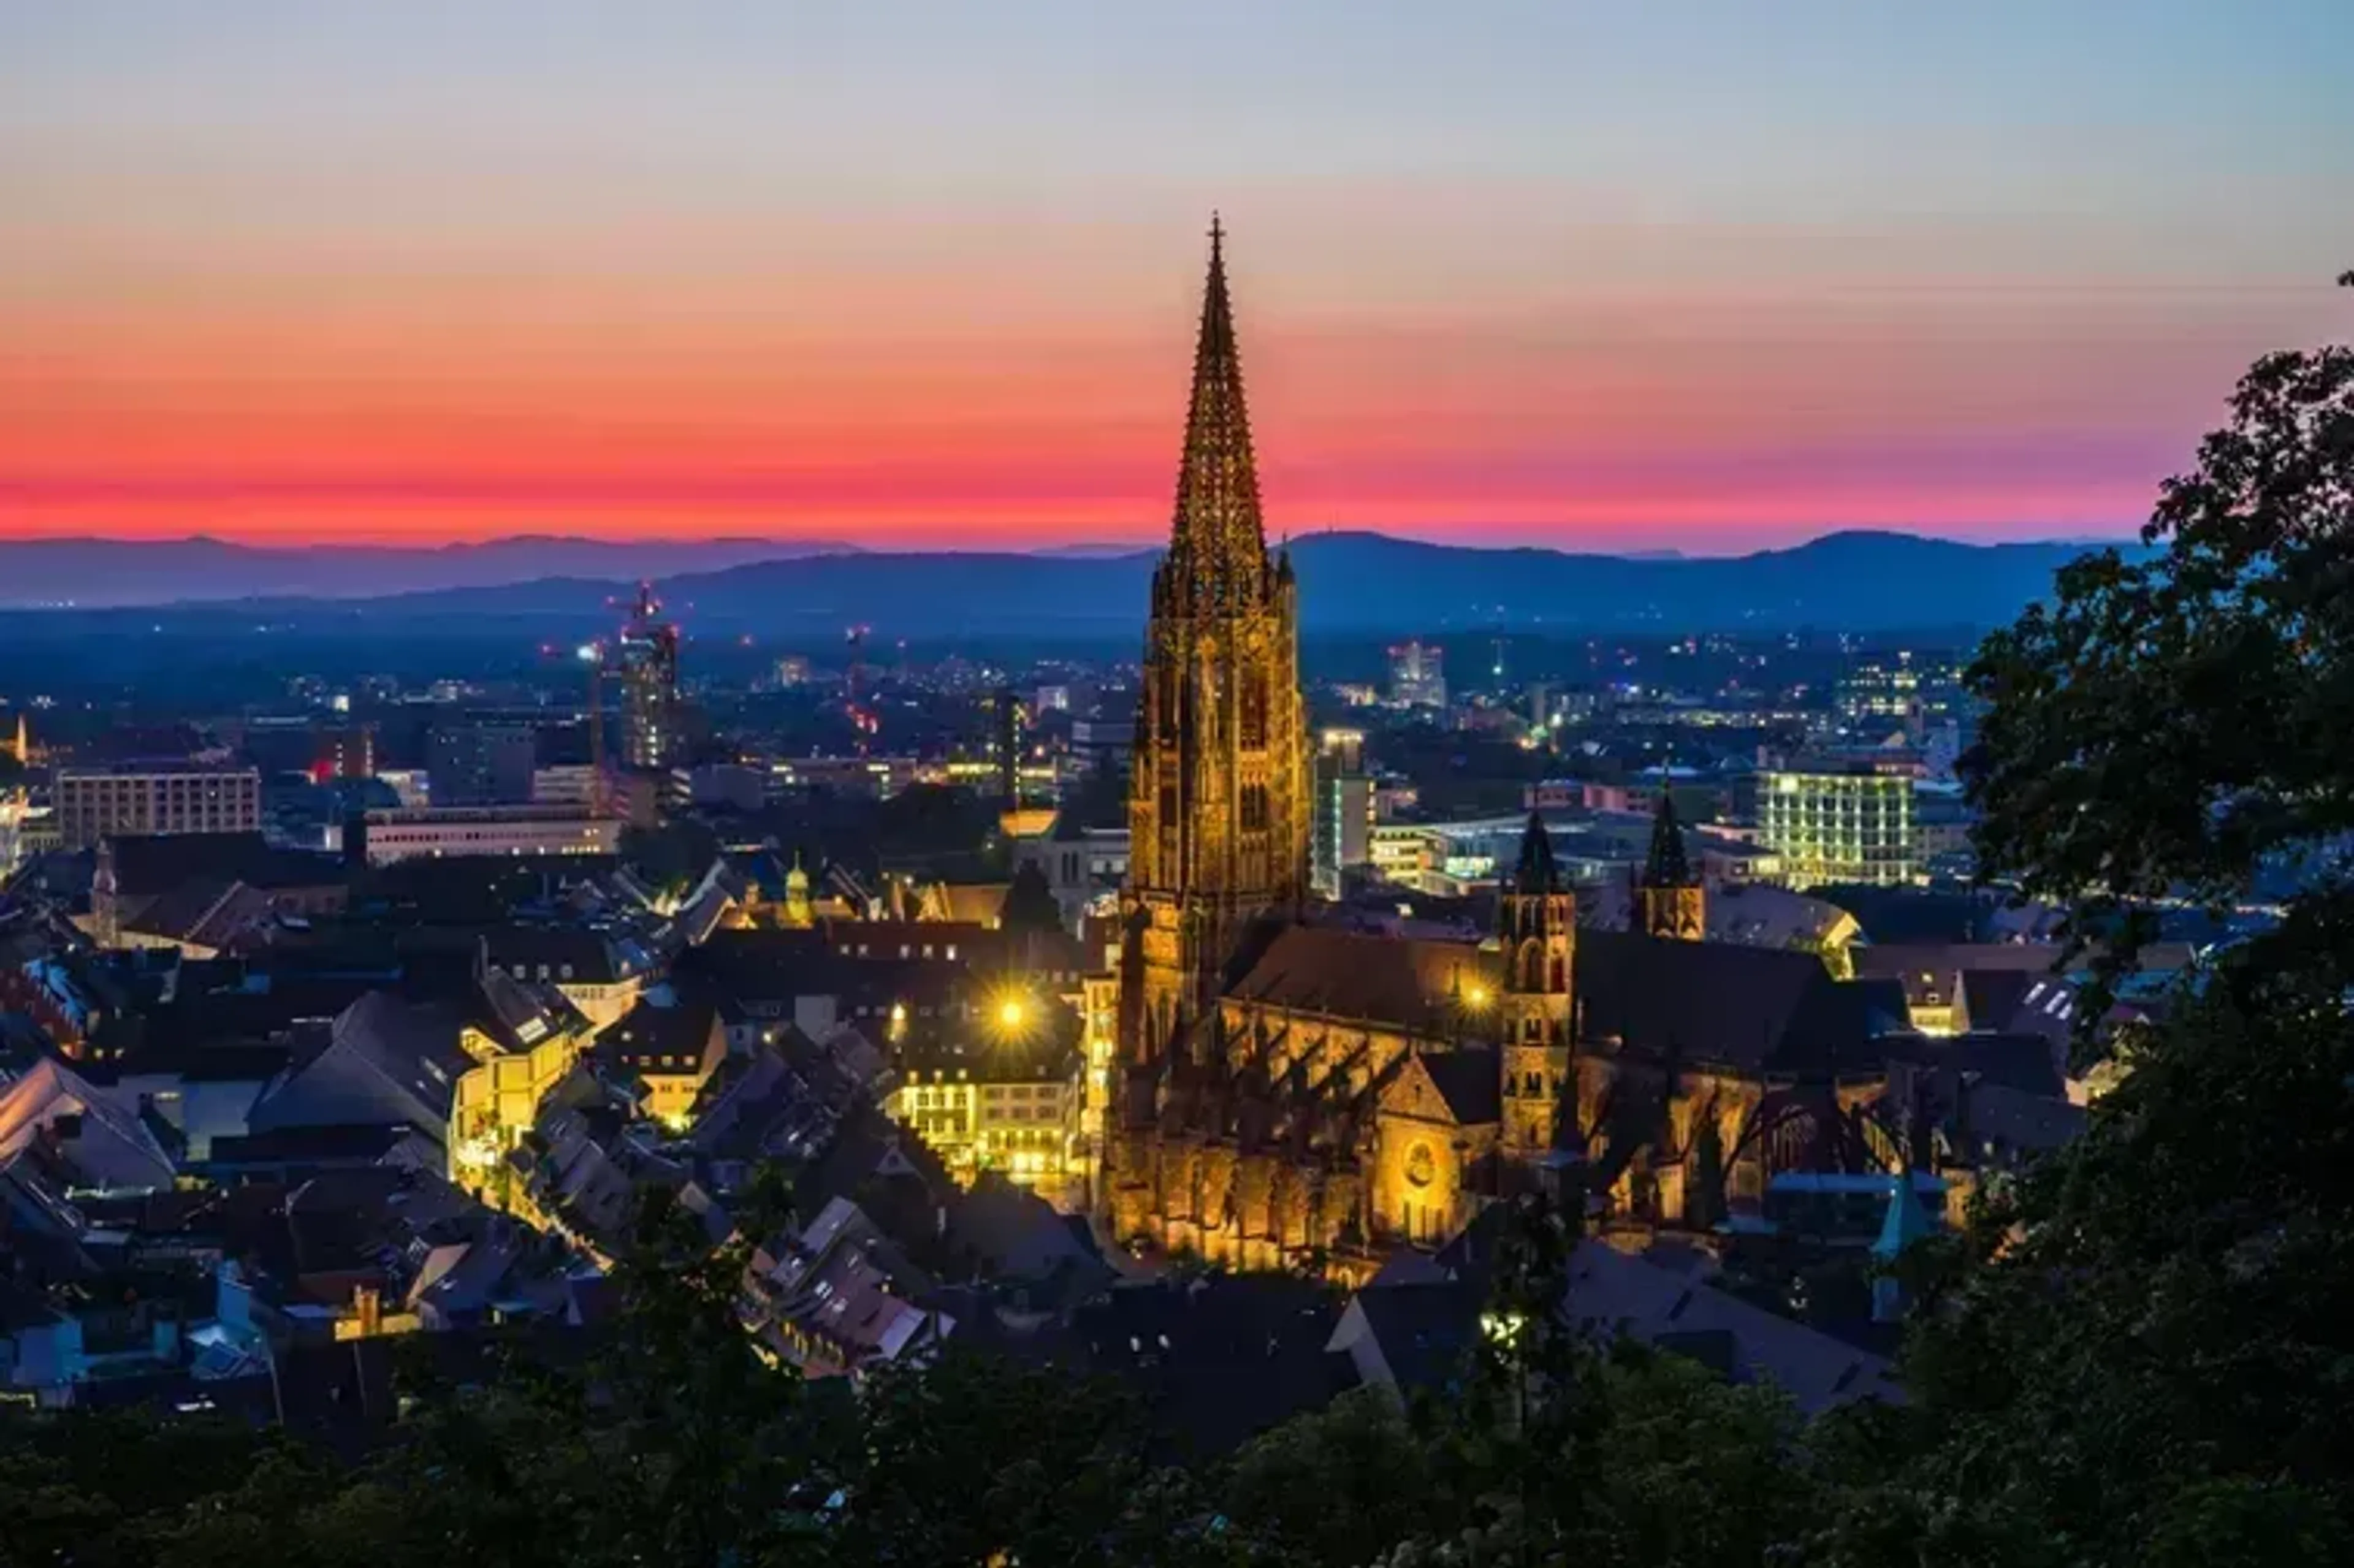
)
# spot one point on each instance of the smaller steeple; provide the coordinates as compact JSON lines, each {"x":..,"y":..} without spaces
{"x":1667,"y":865}
{"x":1537,"y":872}
{"x":1670,"y":900}
{"x":798,"y":912}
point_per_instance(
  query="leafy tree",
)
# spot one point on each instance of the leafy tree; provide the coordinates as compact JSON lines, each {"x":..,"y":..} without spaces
{"x":1336,"y":1487}
{"x":2164,"y":725}
{"x":2140,"y":1351}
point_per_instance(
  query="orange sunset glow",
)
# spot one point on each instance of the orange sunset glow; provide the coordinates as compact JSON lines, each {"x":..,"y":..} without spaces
{"x":403,"y":299}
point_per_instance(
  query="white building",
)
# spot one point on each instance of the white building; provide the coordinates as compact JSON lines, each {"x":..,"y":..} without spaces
{"x":170,"y":797}
{"x":448,"y":831}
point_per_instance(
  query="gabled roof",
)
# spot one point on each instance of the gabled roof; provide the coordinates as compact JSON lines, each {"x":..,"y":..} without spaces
{"x":1465,"y":1083}
{"x":1751,"y":1009}
{"x":106,"y":1145}
{"x":1408,"y":984}
{"x":412,"y":1046}
{"x":1422,"y":1331}
{"x":664,"y":1025}
{"x":1611,"y":1293}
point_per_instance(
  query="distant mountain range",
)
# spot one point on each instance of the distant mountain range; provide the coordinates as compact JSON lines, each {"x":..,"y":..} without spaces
{"x":1349,"y":583}
{"x":99,"y":573}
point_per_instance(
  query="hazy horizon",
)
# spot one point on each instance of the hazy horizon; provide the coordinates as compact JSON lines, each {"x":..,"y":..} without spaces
{"x":1708,"y":278}
{"x":967,"y":545}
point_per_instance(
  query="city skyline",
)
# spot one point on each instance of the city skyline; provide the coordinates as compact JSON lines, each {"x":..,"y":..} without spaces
{"x":923,"y":280}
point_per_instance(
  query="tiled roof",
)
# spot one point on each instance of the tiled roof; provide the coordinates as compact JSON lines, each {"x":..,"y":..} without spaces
{"x":1751,"y":1008}
{"x":1346,"y":974}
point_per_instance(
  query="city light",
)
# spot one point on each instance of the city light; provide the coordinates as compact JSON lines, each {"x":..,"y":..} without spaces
{"x":1475,"y":996}
{"x":1502,"y":1327}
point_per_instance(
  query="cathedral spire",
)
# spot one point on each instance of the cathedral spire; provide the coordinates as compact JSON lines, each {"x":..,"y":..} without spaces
{"x":1666,"y":866}
{"x":1217,"y":543}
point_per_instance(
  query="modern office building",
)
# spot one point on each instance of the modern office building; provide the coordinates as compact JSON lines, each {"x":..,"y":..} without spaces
{"x":1418,"y":675}
{"x":646,"y":663}
{"x":482,"y":764}
{"x":175,"y":796}
{"x":1837,"y":823}
{"x":1898,"y":694}
{"x":1343,"y":836}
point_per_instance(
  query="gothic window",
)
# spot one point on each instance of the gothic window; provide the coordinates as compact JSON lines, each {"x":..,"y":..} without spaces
{"x":1560,"y":975}
{"x":1168,"y":806}
{"x":1254,"y":808}
{"x":1531,"y":968}
{"x":1533,"y":1085}
{"x":1255,"y":710}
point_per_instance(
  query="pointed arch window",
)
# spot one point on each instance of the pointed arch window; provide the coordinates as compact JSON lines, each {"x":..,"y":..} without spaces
{"x":1254,"y":714}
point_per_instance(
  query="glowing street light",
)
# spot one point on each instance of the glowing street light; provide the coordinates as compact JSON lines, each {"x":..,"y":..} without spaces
{"x":1502,"y":1327}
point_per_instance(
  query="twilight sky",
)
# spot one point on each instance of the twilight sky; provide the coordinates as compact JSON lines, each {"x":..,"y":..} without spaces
{"x":1704,"y":273}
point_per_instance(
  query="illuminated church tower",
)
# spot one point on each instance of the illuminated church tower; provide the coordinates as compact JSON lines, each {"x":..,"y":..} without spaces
{"x":1670,"y":902}
{"x":1537,"y":929}
{"x":1218,"y":806}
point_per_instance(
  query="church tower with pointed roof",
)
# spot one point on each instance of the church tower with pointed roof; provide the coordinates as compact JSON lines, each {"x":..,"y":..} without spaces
{"x":1537,"y":929}
{"x":1670,"y":901}
{"x":1218,"y":807}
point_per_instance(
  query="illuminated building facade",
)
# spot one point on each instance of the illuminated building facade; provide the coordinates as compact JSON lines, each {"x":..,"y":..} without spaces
{"x":1218,"y":807}
{"x":1344,"y":810}
{"x":646,"y":663}
{"x":1898,"y":694}
{"x":16,"y":815}
{"x":1024,"y":1126}
{"x":1846,"y":824}
{"x":154,"y":798}
{"x":445,"y":831}
{"x":1289,"y":1095}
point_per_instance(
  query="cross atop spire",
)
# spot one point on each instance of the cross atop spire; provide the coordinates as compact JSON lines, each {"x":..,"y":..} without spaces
{"x":1217,"y":543}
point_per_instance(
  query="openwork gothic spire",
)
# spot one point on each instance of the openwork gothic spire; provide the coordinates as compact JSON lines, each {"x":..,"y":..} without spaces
{"x":1217,"y":545}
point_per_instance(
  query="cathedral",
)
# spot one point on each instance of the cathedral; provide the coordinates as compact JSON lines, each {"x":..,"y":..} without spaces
{"x":1294,"y":1094}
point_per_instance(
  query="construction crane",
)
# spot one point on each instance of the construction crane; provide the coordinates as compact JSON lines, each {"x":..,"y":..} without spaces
{"x":593,"y":657}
